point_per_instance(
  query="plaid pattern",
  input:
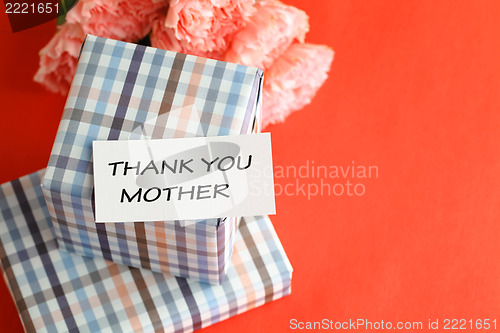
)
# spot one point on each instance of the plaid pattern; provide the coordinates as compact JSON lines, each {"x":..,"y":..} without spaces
{"x":56,"y":291}
{"x":124,"y":91}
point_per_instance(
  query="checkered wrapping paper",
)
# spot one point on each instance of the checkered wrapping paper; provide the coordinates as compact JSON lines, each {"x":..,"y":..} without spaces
{"x":58,"y":291}
{"x":123,"y":91}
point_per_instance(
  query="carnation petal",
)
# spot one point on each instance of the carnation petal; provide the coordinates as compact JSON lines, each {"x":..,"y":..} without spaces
{"x":59,"y":57}
{"x":206,"y":26}
{"x":293,"y":80}
{"x":165,"y":38}
{"x":270,"y":31}
{"x":126,"y":20}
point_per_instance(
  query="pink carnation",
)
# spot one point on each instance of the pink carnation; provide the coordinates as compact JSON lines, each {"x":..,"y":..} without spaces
{"x":59,"y":57}
{"x":293,"y":80}
{"x":164,"y":38}
{"x":206,"y":25}
{"x":126,"y":20}
{"x":271,"y":30}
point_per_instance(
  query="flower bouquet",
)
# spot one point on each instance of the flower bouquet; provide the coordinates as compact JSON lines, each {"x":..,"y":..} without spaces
{"x":267,"y":34}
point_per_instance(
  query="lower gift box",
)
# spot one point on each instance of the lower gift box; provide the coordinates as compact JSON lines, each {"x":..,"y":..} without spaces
{"x":58,"y":291}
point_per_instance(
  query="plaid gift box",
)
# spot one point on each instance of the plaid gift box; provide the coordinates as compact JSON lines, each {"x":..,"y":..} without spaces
{"x":57,"y":291}
{"x":124,"y":91}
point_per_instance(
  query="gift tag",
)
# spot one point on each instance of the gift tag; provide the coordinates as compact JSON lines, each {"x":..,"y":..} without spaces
{"x":183,"y":179}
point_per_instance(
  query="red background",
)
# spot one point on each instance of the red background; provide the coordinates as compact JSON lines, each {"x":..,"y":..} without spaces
{"x":414,"y":90}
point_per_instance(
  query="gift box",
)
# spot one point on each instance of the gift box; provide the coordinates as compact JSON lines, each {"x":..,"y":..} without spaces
{"x":56,"y":290}
{"x":124,"y":91}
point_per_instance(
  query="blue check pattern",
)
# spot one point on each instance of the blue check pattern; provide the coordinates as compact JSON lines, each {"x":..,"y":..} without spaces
{"x":123,"y":91}
{"x":59,"y":291}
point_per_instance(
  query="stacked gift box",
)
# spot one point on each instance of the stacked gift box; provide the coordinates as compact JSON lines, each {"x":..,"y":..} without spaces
{"x":66,"y":272}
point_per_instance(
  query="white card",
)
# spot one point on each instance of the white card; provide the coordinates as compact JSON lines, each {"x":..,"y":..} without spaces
{"x":183,"y":179}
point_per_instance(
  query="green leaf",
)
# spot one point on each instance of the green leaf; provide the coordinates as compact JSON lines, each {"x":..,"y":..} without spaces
{"x":64,"y":8}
